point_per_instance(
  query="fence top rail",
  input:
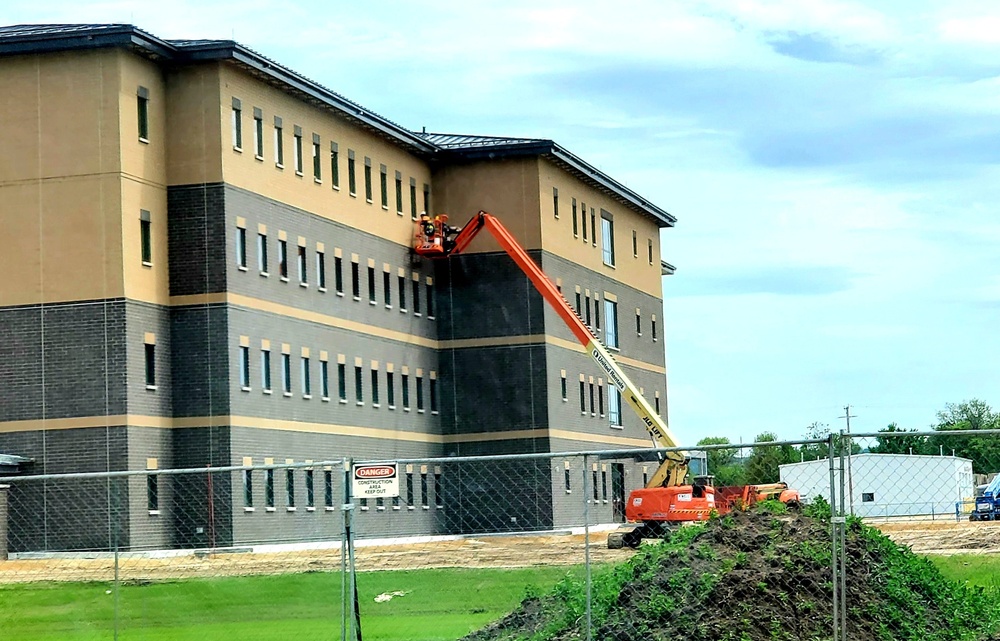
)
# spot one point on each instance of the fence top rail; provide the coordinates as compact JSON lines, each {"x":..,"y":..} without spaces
{"x":928,"y":433}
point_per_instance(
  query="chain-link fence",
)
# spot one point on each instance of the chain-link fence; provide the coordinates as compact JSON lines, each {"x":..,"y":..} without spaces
{"x":890,"y":536}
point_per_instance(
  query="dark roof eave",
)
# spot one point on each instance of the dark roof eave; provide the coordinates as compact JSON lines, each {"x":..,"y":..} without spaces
{"x":666,"y":269}
{"x":118,"y":36}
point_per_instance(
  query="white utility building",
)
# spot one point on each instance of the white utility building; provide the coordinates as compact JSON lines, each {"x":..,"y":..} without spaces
{"x":889,"y":484}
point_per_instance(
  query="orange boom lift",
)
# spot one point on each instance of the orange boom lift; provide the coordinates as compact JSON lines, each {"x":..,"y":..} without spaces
{"x":666,"y":499}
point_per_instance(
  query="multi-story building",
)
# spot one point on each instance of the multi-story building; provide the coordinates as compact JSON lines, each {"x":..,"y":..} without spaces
{"x":208,"y":263}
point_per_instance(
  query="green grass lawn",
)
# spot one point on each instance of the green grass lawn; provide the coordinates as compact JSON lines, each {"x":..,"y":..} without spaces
{"x":978,"y":569}
{"x":439,"y":605}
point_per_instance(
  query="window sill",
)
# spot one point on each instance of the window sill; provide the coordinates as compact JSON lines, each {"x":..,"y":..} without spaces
{"x":434,"y":412}
{"x":432,"y":318}
{"x":144,"y":141}
{"x":267,"y":391}
{"x":425,"y":507}
{"x":238,"y":148}
{"x":385,"y":207}
{"x":317,"y":181}
{"x":284,"y":279}
{"x":419,"y":411}
{"x":290,"y":509}
{"x":325,"y":399}
{"x":151,"y":388}
{"x":301,"y":284}
{"x":395,"y":507}
{"x":265,"y":274}
{"x":343,"y":401}
{"x":244,"y":389}
{"x":356,"y":298}
{"x":376,"y":405}
{"x":410,"y":507}
{"x":258,"y":157}
{"x":380,"y":508}
{"x":286,"y":394}
{"x":269,"y":509}
{"x":146,"y":263}
{"x":371,"y":302}
{"x":402,"y":310}
{"x":307,"y":396}
{"x":388,"y":306}
{"x":321,"y":289}
{"x":249,"y":509}
{"x":329,"y":508}
{"x":154,"y":513}
{"x":417,"y":314}
{"x":279,"y":165}
{"x":359,"y":403}
{"x":364,"y":508}
{"x":242,"y":268}
{"x":617,"y":427}
{"x":392,"y":407}
{"x":611,"y":265}
{"x":310,"y":509}
{"x":399,"y":213}
{"x":352,"y":194}
{"x":565,"y":400}
{"x":341,"y":294}
{"x":298,"y":172}
{"x":369,"y":201}
{"x":406,"y":409}
{"x":336,"y":187}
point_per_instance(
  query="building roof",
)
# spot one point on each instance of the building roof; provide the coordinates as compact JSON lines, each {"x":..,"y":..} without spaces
{"x":9,"y":463}
{"x":44,"y":38}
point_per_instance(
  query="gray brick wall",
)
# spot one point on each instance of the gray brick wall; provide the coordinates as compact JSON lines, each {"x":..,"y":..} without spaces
{"x":196,"y":239}
{"x":199,"y":358}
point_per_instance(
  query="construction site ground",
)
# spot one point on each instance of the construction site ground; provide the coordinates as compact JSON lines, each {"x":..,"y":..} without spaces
{"x":925,"y":537}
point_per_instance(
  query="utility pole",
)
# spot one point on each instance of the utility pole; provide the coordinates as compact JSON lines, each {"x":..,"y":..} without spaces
{"x":850,"y":478}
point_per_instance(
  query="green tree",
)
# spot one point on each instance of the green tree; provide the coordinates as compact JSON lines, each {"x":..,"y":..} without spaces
{"x":723,"y":462}
{"x":762,"y":466}
{"x":974,"y":414}
{"x":901,"y":442}
{"x":816,"y":451}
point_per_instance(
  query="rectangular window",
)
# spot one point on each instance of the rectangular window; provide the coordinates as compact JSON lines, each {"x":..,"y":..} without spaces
{"x":586,"y":310}
{"x":420,"y":393}
{"x":592,"y":404}
{"x":279,"y":143}
{"x":611,"y":323}
{"x":555,"y":202}
{"x":290,"y":486}
{"x":579,"y":304}
{"x":244,"y":367}
{"x":303,"y":276}
{"x":355,"y":280}
{"x":433,"y":393}
{"x":430,"y":300}
{"x":384,"y":186}
{"x":638,"y":323}
{"x":583,"y":220}
{"x":399,"y":193}
{"x":352,"y":180}
{"x":416,"y":297}
{"x":387,"y":288}
{"x":269,"y":488}
{"x":335,"y":165}
{"x":867,"y":497}
{"x":635,"y":245}
{"x":576,"y":231}
{"x":427,"y":198}
{"x":247,"y":488}
{"x":286,"y":373}
{"x":423,"y":490}
{"x":657,"y":400}
{"x":298,"y":150}
{"x":283,"y":259}
{"x":652,"y":328}
{"x":650,"y":250}
{"x":405,"y":380}
{"x":317,"y":162}
{"x":375,"y":402}
{"x":241,"y":247}
{"x":597,"y":312}
{"x":321,"y":270}
{"x":409,"y":489}
{"x":150,"y":357}
{"x":142,"y":108}
{"x":593,"y":483}
{"x":342,"y":382}
{"x":258,"y":133}
{"x":390,"y":390}
{"x":583,"y":397}
{"x":371,"y":285}
{"x":562,"y":386}
{"x":600,"y":400}
{"x":306,"y":381}
{"x":604,"y":485}
{"x":593,"y":227}
{"x":328,"y":488}
{"x":614,"y":406}
{"x":607,"y":240}
{"x":368,"y":179}
{"x":237,"y":125}
{"x":338,"y":274}
{"x":146,"y":237}
{"x":324,"y":378}
{"x":566,"y":479}
{"x":265,"y":369}
{"x":310,"y":490}
{"x":402,"y":293}
{"x":262,"y":253}
{"x":358,"y":389}
{"x":413,"y":199}
{"x":438,"y":498}
{"x":152,"y":493}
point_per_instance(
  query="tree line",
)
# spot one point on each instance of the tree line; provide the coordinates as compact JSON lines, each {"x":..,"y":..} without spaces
{"x":761,"y":464}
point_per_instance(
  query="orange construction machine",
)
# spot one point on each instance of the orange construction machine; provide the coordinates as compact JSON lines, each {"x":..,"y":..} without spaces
{"x":666,"y":499}
{"x":742,"y":497}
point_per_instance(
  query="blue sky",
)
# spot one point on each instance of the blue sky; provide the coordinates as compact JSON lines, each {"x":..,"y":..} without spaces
{"x":833,"y":165}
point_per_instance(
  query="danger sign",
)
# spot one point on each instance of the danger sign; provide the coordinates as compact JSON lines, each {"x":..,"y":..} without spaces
{"x":373,"y":481}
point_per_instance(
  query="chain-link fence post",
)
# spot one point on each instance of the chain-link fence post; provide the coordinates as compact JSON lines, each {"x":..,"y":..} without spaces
{"x":586,"y":544}
{"x":3,"y":522}
{"x":837,"y":533}
{"x":351,"y":619}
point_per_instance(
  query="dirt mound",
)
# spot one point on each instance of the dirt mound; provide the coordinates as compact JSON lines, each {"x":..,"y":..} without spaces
{"x":757,"y":576}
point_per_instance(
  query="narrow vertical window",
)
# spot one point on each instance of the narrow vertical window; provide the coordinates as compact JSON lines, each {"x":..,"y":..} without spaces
{"x":635,"y":245}
{"x":310,"y":490}
{"x":265,"y":370}
{"x":262,"y":253}
{"x":241,"y":247}
{"x":152,"y":493}
{"x":555,"y":202}
{"x":303,"y":276}
{"x":237,"y":119}
{"x":338,"y":274}
{"x":638,"y":322}
{"x":317,"y":162}
{"x":290,"y":486}
{"x":269,"y":488}
{"x":375,"y":398}
{"x":142,"y":108}
{"x":399,"y":193}
{"x":328,"y":488}
{"x":438,"y":498}
{"x":146,"y":237}
{"x":600,"y":400}
{"x":614,"y":406}
{"x":416,"y":298}
{"x":607,"y":239}
{"x":387,"y":289}
{"x":383,"y":177}
{"x":321,"y":270}
{"x":258,"y":133}
{"x":297,"y":135}
{"x":579,"y":304}
{"x":652,"y":327}
{"x":420,"y":393}
{"x":413,"y":198}
{"x":604,"y":485}
{"x":586,"y":310}
{"x":402,"y":293}
{"x":352,"y":180}
{"x":150,"y":365}
{"x":649,"y":248}
{"x":657,"y":400}
{"x":566,"y":478}
{"x":355,"y":280}
{"x":597,"y":312}
{"x":592,"y":405}
{"x":279,"y":147}
{"x":390,"y":390}
{"x":405,"y":380}
{"x":562,"y":385}
{"x":427,"y":198}
{"x":611,"y":323}
{"x":593,"y":483}
{"x":335,"y":165}
{"x":430,"y":300}
{"x":342,"y":382}
{"x":593,"y":227}
{"x":576,"y":230}
{"x":432,"y":390}
{"x":358,"y":386}
{"x":306,"y":380}
{"x":286,"y":373}
{"x":583,"y":397}
{"x":368,"y":179}
{"x":423,"y":490}
{"x":371,"y":284}
{"x":244,"y":367}
{"x":409,"y":489}
{"x":283,"y":259}
{"x":247,"y":488}
{"x":324,"y":379}
{"x":583,"y":219}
